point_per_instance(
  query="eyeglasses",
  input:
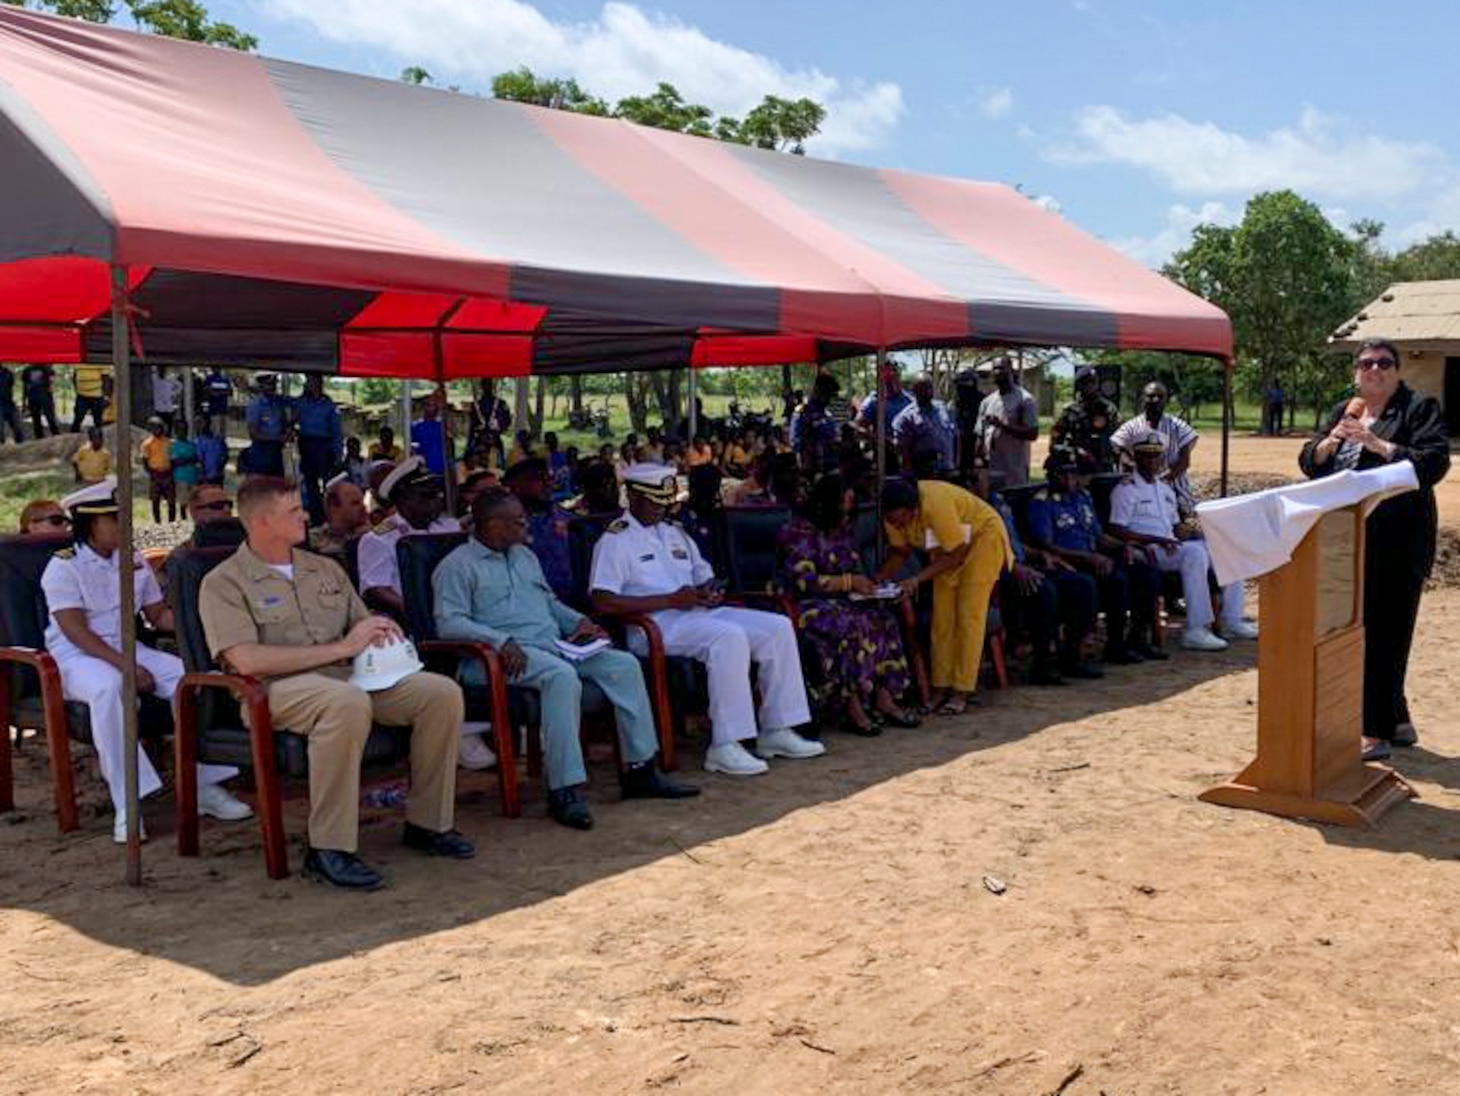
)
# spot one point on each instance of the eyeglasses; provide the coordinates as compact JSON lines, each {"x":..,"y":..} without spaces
{"x":1377,"y":363}
{"x":57,"y":520}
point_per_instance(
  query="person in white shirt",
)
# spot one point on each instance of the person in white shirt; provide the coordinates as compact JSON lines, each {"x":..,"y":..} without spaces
{"x":82,"y":586}
{"x":1178,"y":439}
{"x":1007,"y":423}
{"x":1143,"y":511}
{"x":645,"y":564}
{"x":165,"y":391}
{"x":418,"y":498}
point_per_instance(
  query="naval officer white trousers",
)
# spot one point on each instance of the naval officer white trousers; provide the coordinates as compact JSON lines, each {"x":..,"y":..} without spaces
{"x":98,"y":685}
{"x":727,"y":640}
{"x":1192,"y":561}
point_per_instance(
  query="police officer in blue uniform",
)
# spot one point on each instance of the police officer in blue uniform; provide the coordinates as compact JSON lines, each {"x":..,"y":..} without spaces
{"x":1063,"y":523}
{"x":321,"y":443}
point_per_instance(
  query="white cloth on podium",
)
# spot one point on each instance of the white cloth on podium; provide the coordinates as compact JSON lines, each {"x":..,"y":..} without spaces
{"x":1251,"y":535}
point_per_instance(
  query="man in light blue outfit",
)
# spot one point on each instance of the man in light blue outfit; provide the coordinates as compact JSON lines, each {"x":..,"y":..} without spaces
{"x":492,"y":590}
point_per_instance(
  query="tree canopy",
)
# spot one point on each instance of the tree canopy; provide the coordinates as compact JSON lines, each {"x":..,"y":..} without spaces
{"x":186,"y":19}
{"x":784,"y":125}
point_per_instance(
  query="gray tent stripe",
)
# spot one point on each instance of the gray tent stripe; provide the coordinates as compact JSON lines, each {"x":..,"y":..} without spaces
{"x":484,"y":176}
{"x":49,"y":195}
{"x":856,"y":201}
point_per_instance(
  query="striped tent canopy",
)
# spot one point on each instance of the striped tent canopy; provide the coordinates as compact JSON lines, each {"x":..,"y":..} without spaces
{"x":275,"y":213}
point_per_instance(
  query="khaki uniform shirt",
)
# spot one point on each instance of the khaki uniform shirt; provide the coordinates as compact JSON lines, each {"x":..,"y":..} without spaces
{"x":244,"y":600}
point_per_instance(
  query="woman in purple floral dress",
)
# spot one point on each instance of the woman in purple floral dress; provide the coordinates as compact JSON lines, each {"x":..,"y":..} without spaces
{"x":860,"y":667}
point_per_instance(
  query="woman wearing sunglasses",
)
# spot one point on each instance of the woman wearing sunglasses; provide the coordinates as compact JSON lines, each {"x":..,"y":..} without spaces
{"x":1387,"y":421}
{"x":45,"y":519}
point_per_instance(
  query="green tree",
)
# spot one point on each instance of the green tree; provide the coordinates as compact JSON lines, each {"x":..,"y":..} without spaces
{"x":415,"y":74}
{"x":784,"y":125}
{"x":185,"y":19}
{"x":1435,"y":258}
{"x":667,"y":109}
{"x":522,"y":86}
{"x":1287,"y":278}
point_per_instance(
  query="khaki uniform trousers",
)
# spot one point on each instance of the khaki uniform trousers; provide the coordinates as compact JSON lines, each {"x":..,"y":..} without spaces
{"x":337,"y":717}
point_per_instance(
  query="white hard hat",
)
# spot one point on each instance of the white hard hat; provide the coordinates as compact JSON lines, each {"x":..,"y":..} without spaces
{"x":376,"y":668}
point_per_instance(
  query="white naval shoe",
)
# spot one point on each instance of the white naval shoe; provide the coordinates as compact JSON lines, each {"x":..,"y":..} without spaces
{"x":1240,"y":629}
{"x":472,"y":752}
{"x":215,"y":801}
{"x":1202,"y":639}
{"x":733,"y":759}
{"x":785,"y":742}
{"x":119,"y":829}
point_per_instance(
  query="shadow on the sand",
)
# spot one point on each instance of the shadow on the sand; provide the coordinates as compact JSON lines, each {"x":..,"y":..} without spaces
{"x":274,"y":928}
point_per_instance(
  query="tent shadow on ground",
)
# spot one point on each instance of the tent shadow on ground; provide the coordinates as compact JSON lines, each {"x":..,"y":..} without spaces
{"x":275,"y":928}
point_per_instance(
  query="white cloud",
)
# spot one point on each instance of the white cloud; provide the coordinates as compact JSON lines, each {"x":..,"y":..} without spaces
{"x":996,"y":103}
{"x":624,"y":51}
{"x":1047,"y":202}
{"x":1320,"y":155}
{"x":1154,"y":250}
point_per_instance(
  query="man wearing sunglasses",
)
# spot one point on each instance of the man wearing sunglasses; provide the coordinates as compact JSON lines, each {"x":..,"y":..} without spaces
{"x":1386,"y":422}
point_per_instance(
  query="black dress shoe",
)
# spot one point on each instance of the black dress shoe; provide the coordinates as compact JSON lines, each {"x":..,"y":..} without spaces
{"x":1121,"y":655}
{"x":566,"y":806}
{"x":449,"y":844}
{"x":1405,"y":735}
{"x":647,"y":782}
{"x":341,"y":869}
{"x":1149,"y":653}
{"x":1042,"y":674}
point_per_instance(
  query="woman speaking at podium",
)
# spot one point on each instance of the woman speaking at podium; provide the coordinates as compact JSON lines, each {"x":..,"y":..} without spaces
{"x":1387,"y":421}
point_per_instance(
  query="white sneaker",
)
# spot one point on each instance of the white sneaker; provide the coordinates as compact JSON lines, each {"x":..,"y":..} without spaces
{"x":787,"y":743}
{"x":1240,"y":629}
{"x":733,"y":759}
{"x":119,"y":829}
{"x":1202,"y":639}
{"x":215,"y":801}
{"x":472,"y":752}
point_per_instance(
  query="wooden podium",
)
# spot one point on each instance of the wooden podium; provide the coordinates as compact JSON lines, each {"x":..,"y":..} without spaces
{"x":1310,"y":688}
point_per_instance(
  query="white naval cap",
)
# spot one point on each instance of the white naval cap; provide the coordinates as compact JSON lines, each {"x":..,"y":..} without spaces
{"x":336,"y":480}
{"x":655,"y":482}
{"x":407,"y":473}
{"x":94,"y":498}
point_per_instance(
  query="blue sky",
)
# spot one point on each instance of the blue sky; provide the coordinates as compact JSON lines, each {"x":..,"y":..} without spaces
{"x":1137,"y":120}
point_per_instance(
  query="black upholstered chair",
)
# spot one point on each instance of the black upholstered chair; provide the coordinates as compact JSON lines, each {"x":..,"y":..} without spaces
{"x":224,"y":718}
{"x":30,"y":682}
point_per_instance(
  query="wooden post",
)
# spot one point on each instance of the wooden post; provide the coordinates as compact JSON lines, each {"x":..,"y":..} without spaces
{"x":1310,"y":689}
{"x":122,"y":387}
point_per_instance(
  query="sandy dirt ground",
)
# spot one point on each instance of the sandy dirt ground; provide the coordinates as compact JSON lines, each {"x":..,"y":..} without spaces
{"x":829,"y":928}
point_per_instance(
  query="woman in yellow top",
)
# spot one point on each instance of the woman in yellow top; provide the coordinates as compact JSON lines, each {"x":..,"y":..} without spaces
{"x":969,"y":549}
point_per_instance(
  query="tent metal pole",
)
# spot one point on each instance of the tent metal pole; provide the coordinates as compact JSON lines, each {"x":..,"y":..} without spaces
{"x":879,"y":364}
{"x":187,"y":394}
{"x":405,"y":418}
{"x":694,"y":415}
{"x":1226,"y":419}
{"x":122,"y":387}
{"x":438,"y":354}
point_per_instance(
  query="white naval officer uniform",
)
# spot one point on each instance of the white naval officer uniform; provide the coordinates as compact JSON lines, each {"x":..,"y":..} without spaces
{"x":79,"y":578}
{"x":1149,"y":507}
{"x":378,"y":564}
{"x":635,"y":560}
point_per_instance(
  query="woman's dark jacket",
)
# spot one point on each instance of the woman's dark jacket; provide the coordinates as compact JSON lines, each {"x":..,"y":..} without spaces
{"x":1401,"y":529}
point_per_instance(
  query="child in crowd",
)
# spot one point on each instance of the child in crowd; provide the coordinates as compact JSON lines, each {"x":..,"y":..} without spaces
{"x":212,"y":450}
{"x":357,"y":467}
{"x":187,"y":470}
{"x":386,"y":448}
{"x":92,"y":462}
{"x":157,"y":459}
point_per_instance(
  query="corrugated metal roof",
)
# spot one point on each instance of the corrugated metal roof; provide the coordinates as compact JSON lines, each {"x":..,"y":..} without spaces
{"x":1407,"y":312}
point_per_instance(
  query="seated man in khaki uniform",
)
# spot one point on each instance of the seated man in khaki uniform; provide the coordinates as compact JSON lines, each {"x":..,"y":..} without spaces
{"x":291,"y":618}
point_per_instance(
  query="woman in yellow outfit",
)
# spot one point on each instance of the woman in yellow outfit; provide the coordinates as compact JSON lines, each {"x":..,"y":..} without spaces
{"x":969,"y":549}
